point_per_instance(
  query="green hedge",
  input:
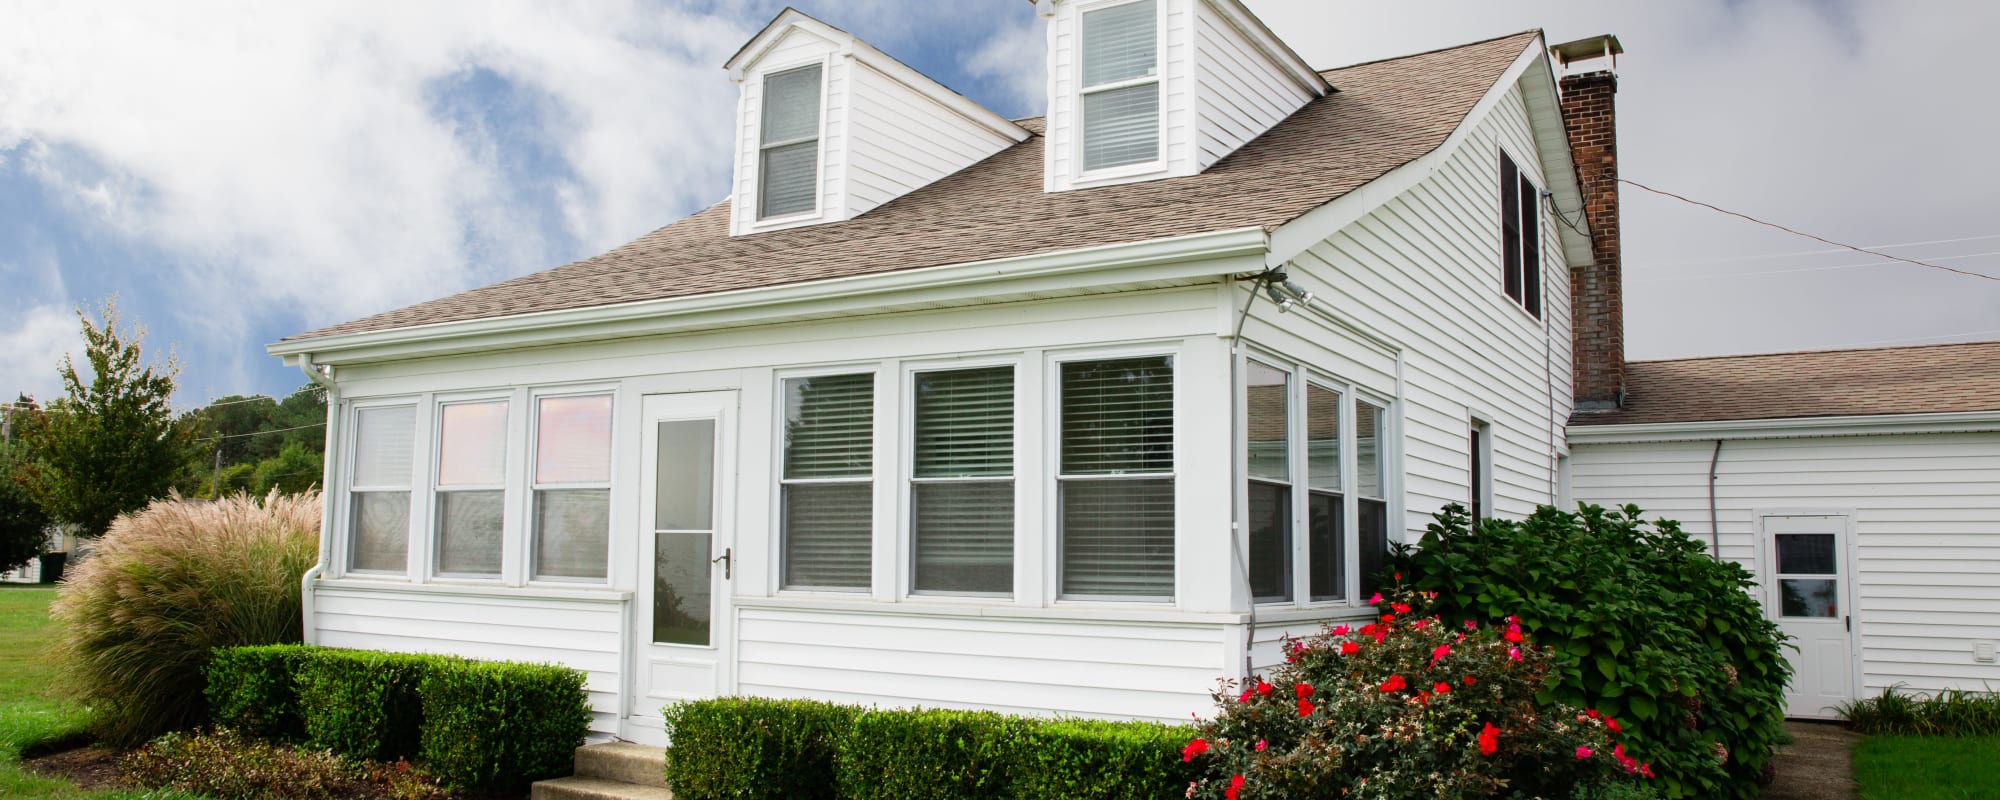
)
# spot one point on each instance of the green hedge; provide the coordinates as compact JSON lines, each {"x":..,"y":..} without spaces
{"x":752,"y":748}
{"x":500,"y":724}
{"x":1095,"y":760}
{"x":929,"y":754}
{"x":255,"y":690}
{"x":362,"y":703}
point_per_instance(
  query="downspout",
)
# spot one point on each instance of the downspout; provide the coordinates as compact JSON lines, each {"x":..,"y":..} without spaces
{"x":1714,"y":532}
{"x":324,"y":378}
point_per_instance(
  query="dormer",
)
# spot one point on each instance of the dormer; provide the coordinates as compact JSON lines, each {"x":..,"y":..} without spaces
{"x":829,"y":127}
{"x":1148,"y":89}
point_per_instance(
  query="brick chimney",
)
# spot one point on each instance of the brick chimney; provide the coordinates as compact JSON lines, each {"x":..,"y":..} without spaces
{"x":1597,"y":296}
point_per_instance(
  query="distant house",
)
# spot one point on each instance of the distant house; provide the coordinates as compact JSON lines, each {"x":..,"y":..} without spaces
{"x":1072,"y":414}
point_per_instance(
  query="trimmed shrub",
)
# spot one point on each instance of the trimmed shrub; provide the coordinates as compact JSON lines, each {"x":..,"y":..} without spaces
{"x":1645,"y":626}
{"x":1951,"y":712}
{"x":499,"y":725}
{"x":167,"y":585}
{"x":929,"y":754}
{"x":228,"y":765}
{"x":1095,"y":760}
{"x":255,"y":690}
{"x":753,"y":748}
{"x":362,"y":704}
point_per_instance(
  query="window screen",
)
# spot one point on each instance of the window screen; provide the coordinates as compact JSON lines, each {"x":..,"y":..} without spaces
{"x":1267,"y":419}
{"x":572,"y":486}
{"x":788,"y":153}
{"x":379,"y":509}
{"x":471,"y":491}
{"x":1121,"y":88}
{"x":962,"y":484}
{"x":828,"y":484}
{"x":1116,"y":488}
{"x":1326,"y":512}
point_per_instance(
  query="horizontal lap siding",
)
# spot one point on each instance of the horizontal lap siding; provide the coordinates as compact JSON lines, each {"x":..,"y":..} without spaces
{"x":1240,"y":92}
{"x":1042,"y":667}
{"x":897,"y":140}
{"x":581,"y":635}
{"x":1927,"y":517}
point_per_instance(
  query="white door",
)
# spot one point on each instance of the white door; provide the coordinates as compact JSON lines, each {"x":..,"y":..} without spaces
{"x":1809,"y":590}
{"x":686,"y":556}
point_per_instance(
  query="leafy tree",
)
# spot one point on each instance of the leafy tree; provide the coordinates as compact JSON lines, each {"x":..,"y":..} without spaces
{"x":295,"y":469}
{"x":112,"y":444}
{"x":23,"y":525}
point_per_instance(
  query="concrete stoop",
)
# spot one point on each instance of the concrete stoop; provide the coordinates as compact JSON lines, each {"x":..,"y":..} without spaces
{"x":613,"y":771}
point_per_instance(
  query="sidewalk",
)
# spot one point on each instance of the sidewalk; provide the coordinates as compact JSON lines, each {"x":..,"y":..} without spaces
{"x":1817,"y":765}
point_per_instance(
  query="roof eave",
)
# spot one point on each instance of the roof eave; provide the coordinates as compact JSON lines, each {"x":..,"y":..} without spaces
{"x":1785,"y":427}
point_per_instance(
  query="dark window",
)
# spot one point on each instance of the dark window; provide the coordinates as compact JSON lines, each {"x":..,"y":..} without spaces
{"x":1520,"y":237}
{"x":1478,"y":444}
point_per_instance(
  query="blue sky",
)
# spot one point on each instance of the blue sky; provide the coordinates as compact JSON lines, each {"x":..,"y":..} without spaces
{"x":238,"y":173}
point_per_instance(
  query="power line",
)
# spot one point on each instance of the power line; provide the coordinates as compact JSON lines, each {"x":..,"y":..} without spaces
{"x":1795,"y":253}
{"x":1820,"y":239}
{"x":258,"y":433}
{"x":1666,"y":278}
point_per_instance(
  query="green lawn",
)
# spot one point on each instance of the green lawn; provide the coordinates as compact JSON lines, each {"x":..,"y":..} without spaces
{"x":1928,"y":767}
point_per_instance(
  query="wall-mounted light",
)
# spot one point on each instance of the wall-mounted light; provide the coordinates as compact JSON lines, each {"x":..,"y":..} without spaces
{"x":1046,"y":9}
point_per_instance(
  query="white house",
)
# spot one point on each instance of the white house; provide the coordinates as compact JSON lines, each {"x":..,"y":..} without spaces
{"x":1074,"y":414}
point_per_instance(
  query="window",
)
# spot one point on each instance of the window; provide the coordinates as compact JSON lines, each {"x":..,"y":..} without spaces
{"x":1370,"y":495}
{"x":572,"y":486}
{"x":1326,"y":512}
{"x":378,"y":525}
{"x":471,"y":487}
{"x":1121,"y":85}
{"x":1520,"y":237}
{"x":1115,"y":481}
{"x":788,"y":143}
{"x":1481,"y":449}
{"x":1267,"y":392}
{"x":962,"y":481}
{"x":828,"y":482}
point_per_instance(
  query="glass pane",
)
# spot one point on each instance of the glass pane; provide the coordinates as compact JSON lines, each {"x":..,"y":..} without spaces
{"x":1510,"y":229}
{"x":469,"y":533}
{"x":381,"y":528}
{"x":1118,"y":416}
{"x":830,"y":426}
{"x":1531,"y":248}
{"x":1326,"y":550}
{"x":1368,"y":448}
{"x":829,"y":528}
{"x":1374,"y":524}
{"x":572,"y":532}
{"x":573,"y":439}
{"x":1120,"y":43}
{"x":789,"y":176}
{"x":382,"y":445}
{"x":681,"y":588}
{"x":685,"y":489}
{"x":1270,"y":542}
{"x":472,"y":444}
{"x":791,"y":105}
{"x":1807,"y":554}
{"x":1809,"y":597}
{"x":965,"y":423}
{"x":1267,"y":398}
{"x":1121,"y":126}
{"x":1323,"y":439}
{"x":964,"y":536}
{"x":1118,"y":538}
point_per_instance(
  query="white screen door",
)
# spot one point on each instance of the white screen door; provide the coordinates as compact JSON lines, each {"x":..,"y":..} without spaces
{"x":1809,"y":591}
{"x":686,"y":557}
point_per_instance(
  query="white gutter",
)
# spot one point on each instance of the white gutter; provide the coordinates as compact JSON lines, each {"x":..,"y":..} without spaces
{"x":1787,"y":428}
{"x":311,"y":578}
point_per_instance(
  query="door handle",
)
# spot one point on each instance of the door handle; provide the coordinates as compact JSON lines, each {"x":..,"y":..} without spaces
{"x":726,"y":561}
{"x":1848,"y":623}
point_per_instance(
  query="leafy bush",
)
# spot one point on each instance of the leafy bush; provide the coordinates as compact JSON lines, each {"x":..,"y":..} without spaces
{"x":1407,"y":706}
{"x":24,"y":528}
{"x":1093,"y":760}
{"x":753,"y":748}
{"x":496,"y":724}
{"x":928,"y":754}
{"x":1644,"y":624}
{"x":167,"y":585}
{"x":255,"y":690}
{"x":228,"y":765}
{"x":1952,"y":712}
{"x":361,"y":704}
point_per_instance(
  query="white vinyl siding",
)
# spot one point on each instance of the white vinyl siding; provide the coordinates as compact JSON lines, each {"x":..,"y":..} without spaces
{"x":1240,"y":93}
{"x":897,"y":140}
{"x":379,"y":512}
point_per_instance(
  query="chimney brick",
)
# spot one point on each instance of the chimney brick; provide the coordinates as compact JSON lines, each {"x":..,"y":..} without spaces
{"x":1597,"y":291}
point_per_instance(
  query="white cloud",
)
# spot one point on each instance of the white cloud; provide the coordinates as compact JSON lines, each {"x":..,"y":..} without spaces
{"x":32,"y":346}
{"x":1016,"y":60}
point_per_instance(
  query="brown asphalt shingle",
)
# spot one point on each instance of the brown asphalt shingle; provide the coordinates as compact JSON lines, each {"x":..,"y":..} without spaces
{"x":1830,"y":383}
{"x":1386,"y":114}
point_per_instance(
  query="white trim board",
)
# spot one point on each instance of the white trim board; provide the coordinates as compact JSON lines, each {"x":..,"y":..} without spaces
{"x":1787,"y":428}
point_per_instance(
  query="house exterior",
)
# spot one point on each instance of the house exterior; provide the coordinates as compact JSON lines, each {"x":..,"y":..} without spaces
{"x":1861,"y":487}
{"x":1066,"y":415}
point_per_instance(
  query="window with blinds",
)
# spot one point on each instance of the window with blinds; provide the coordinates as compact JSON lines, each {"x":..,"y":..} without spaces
{"x":572,"y":488}
{"x":378,"y":525}
{"x":471,"y":487}
{"x":1520,"y":237}
{"x":962,"y":481}
{"x":1370,"y":497}
{"x":1267,"y":404}
{"x":1121,"y":85}
{"x":788,"y":143}
{"x":827,"y":484}
{"x":1116,"y":478}
{"x":1326,"y":511}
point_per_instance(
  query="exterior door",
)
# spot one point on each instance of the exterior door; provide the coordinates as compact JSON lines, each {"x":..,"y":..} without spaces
{"x":681,"y":620}
{"x":1809,"y":586}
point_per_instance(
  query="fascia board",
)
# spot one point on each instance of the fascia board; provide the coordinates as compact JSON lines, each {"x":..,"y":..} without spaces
{"x":1786,"y":428}
{"x":1213,"y":254}
{"x":1538,"y":90}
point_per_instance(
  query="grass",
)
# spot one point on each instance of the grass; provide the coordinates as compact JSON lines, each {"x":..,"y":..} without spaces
{"x":1928,"y":768}
{"x":1951,"y":712}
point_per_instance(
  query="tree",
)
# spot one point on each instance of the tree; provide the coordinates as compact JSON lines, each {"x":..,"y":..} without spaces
{"x":24,"y":529}
{"x":112,"y":444}
{"x":293,"y":470}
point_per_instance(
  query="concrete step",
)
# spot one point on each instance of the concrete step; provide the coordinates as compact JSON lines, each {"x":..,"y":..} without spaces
{"x":625,"y":762}
{"x":581,"y":788}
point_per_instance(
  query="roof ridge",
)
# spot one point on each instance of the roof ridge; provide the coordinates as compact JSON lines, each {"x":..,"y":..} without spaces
{"x":1432,"y":51}
{"x":1822,"y":351}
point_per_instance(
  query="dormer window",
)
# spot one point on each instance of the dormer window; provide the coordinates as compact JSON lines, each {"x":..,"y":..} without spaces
{"x":788,"y":145}
{"x":1121,"y":85}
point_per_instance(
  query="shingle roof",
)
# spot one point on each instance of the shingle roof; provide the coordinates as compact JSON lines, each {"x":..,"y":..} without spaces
{"x":1386,"y":114}
{"x":1829,"y":383}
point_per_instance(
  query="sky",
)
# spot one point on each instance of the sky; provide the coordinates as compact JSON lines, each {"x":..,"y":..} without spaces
{"x":238,"y":172}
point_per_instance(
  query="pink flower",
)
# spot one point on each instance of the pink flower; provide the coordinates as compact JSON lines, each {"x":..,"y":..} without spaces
{"x":1441,"y":651}
{"x":1261,"y":744}
{"x":1613,"y":725}
{"x":1376,"y":600}
{"x":1514,"y":653}
{"x":1194,"y":748}
{"x":1513,"y":634}
{"x":1235,"y":787}
{"x":1471,"y":625}
{"x":1582,"y":752}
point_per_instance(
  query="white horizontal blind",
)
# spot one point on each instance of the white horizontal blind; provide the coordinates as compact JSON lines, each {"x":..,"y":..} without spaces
{"x":1121,"y":88}
{"x":472,"y":444}
{"x":1121,"y":43}
{"x":1116,"y":482}
{"x":828,"y":481}
{"x":379,"y":512}
{"x":573,"y":439}
{"x":962,"y":487}
{"x":383,"y":443}
{"x":788,"y":159}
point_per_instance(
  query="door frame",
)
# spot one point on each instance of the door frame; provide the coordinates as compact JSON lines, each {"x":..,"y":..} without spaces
{"x":1850,"y":554}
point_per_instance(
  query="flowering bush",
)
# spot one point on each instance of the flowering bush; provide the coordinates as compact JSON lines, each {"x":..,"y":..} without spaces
{"x":1409,"y":705}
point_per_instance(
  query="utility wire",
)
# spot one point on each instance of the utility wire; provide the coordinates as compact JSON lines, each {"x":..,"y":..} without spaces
{"x":1797,"y":253}
{"x":258,"y":433}
{"x":1820,"y":239}
{"x":1858,"y":265}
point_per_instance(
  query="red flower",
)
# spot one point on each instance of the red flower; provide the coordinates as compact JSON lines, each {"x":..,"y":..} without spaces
{"x":1303,"y":690}
{"x":1513,"y":635}
{"x":1235,"y":787}
{"x":1441,"y":651}
{"x":1263,"y":689}
{"x":1442,"y":688}
{"x":1194,"y":748}
{"x":1469,"y":681}
{"x":1245,"y":698}
{"x":1340,"y":630}
{"x":1592,"y":713}
{"x":1349,"y":648}
{"x":1395,"y":683}
{"x":1423,"y":697}
{"x":1613,"y":725}
{"x":1305,"y":707}
{"x":1489,"y":740}
{"x":1401,"y":608}
{"x":1381,"y":634}
{"x":1646,"y":769}
{"x":1388,"y":618}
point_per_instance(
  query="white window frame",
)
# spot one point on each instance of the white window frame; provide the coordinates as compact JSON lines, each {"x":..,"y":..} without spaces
{"x":1539,"y":316}
{"x":1293,"y":483}
{"x":876,"y":479}
{"x":757,"y":147}
{"x":415,"y":486}
{"x":906,"y":480}
{"x":1480,"y":487}
{"x":435,"y":489}
{"x":533,"y":479}
{"x":1086,"y":176}
{"x":1052,"y":363}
